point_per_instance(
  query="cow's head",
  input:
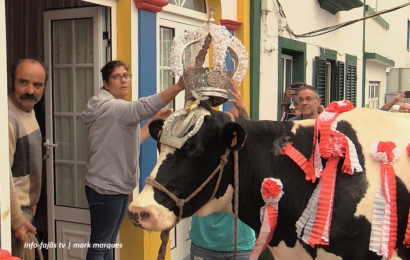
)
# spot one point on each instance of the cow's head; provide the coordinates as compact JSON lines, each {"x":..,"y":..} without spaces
{"x":182,"y":171}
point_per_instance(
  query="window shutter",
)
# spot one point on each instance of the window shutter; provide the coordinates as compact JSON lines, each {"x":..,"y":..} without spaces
{"x":351,"y":82}
{"x":320,"y":78}
{"x":340,"y":82}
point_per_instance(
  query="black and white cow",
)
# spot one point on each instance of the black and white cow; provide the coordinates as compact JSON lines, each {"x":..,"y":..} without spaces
{"x":181,"y":171}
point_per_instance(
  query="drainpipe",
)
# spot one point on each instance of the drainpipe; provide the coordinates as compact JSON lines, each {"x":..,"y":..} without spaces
{"x":363,"y":59}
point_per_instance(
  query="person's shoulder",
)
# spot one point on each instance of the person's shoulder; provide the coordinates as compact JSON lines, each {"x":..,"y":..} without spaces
{"x":299,"y":117}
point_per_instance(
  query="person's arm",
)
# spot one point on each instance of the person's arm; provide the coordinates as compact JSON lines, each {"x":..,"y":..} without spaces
{"x":238,"y":102}
{"x":170,"y":93}
{"x":399,"y":98}
{"x":288,"y":94}
{"x":162,"y":114}
{"x":19,"y":223}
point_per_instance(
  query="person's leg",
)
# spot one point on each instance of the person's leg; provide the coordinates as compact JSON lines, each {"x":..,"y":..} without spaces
{"x":123,"y":200}
{"x":105,"y":213}
{"x":199,"y":253}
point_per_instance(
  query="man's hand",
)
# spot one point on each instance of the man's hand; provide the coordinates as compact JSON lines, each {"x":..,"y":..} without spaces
{"x":401,"y":98}
{"x":288,"y":94}
{"x":237,"y":101}
{"x":21,"y":231}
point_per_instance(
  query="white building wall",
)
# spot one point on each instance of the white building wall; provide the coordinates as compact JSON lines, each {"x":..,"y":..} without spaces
{"x":396,"y":47}
{"x":305,"y":16}
{"x":395,"y":42}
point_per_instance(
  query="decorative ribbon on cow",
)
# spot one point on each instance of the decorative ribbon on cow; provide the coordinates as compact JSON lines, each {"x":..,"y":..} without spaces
{"x":332,"y":145}
{"x":271,"y":193}
{"x":406,"y":241}
{"x":383,"y":236}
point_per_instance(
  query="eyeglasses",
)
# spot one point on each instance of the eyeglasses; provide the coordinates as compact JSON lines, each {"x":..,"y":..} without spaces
{"x":308,"y":99}
{"x":117,"y":78}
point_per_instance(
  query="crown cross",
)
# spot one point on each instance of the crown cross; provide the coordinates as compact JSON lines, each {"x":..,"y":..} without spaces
{"x":211,"y":13}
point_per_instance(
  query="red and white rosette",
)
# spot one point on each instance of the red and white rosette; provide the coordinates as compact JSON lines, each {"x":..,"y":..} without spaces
{"x":313,"y":227}
{"x":383,"y":236}
{"x":271,"y":193}
{"x":406,"y":241}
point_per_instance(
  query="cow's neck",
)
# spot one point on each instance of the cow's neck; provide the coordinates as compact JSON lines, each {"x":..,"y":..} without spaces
{"x":257,"y":161}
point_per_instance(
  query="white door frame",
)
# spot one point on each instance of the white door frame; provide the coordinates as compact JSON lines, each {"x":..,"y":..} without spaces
{"x":55,"y":212}
{"x":5,"y":224}
{"x":182,"y":20}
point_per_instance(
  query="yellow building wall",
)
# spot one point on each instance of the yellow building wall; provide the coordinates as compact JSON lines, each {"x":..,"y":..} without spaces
{"x":243,"y":34}
{"x":136,"y":243}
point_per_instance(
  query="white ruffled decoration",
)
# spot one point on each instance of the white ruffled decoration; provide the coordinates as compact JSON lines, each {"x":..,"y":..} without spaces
{"x":268,"y":216}
{"x":380,"y":233}
{"x":308,"y":217}
{"x":381,"y":156}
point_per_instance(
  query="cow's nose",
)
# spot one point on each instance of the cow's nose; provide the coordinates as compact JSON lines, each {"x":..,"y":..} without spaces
{"x":143,"y":214}
{"x":133,"y":216}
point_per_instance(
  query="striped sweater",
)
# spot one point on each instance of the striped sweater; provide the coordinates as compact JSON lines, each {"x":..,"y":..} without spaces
{"x":25,"y":162}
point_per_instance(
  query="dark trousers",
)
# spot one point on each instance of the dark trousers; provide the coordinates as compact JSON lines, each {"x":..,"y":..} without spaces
{"x":107,"y":213}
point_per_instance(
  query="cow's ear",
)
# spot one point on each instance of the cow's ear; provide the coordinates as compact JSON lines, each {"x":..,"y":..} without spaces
{"x":233,"y":136}
{"x":155,"y":128}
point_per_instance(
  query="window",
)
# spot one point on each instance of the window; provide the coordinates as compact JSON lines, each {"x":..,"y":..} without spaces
{"x":335,"y":80}
{"x":286,"y":71}
{"x":325,"y":80}
{"x":374,"y":94}
{"x":196,"y":5}
{"x":166,"y":79}
{"x":351,"y":81}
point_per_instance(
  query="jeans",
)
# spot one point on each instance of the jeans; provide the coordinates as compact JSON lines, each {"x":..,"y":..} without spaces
{"x":199,"y":253}
{"x":107,"y":213}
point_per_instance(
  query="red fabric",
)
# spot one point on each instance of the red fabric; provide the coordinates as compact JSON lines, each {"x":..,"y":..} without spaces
{"x":4,"y":254}
{"x":325,"y":202}
{"x":335,"y":107}
{"x":296,"y":156}
{"x":391,"y":198}
{"x":406,"y":241}
{"x":273,"y":219}
{"x":270,"y":189}
{"x":387,"y":147}
{"x":332,"y":146}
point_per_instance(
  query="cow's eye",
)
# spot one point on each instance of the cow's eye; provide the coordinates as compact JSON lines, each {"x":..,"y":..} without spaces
{"x":194,"y":152}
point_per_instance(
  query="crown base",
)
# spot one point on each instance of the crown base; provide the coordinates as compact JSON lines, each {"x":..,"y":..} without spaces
{"x":205,"y":82}
{"x":216,"y":96}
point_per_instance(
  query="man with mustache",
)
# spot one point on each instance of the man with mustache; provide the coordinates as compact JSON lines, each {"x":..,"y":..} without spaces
{"x":27,"y":81}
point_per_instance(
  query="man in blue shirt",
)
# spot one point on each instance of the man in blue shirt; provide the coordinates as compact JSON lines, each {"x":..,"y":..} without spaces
{"x":308,"y":104}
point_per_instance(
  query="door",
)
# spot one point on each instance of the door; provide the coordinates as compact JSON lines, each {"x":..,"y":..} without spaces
{"x":168,"y":29}
{"x":75,"y":50}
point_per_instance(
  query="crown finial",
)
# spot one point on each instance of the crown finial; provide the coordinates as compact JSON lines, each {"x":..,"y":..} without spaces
{"x":211,"y":13}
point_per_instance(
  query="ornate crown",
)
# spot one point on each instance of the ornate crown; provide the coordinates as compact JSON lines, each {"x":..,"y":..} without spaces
{"x":189,"y":53}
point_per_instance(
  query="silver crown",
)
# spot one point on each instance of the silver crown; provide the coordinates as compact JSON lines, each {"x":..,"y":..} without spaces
{"x":190,"y":52}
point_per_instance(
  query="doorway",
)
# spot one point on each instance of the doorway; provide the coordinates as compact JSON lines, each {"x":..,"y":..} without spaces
{"x":76,"y":45}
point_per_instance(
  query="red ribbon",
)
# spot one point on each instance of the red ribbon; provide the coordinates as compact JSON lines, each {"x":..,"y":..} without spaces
{"x":389,"y":189}
{"x":325,"y":207}
{"x":406,"y":241}
{"x":296,"y":156}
